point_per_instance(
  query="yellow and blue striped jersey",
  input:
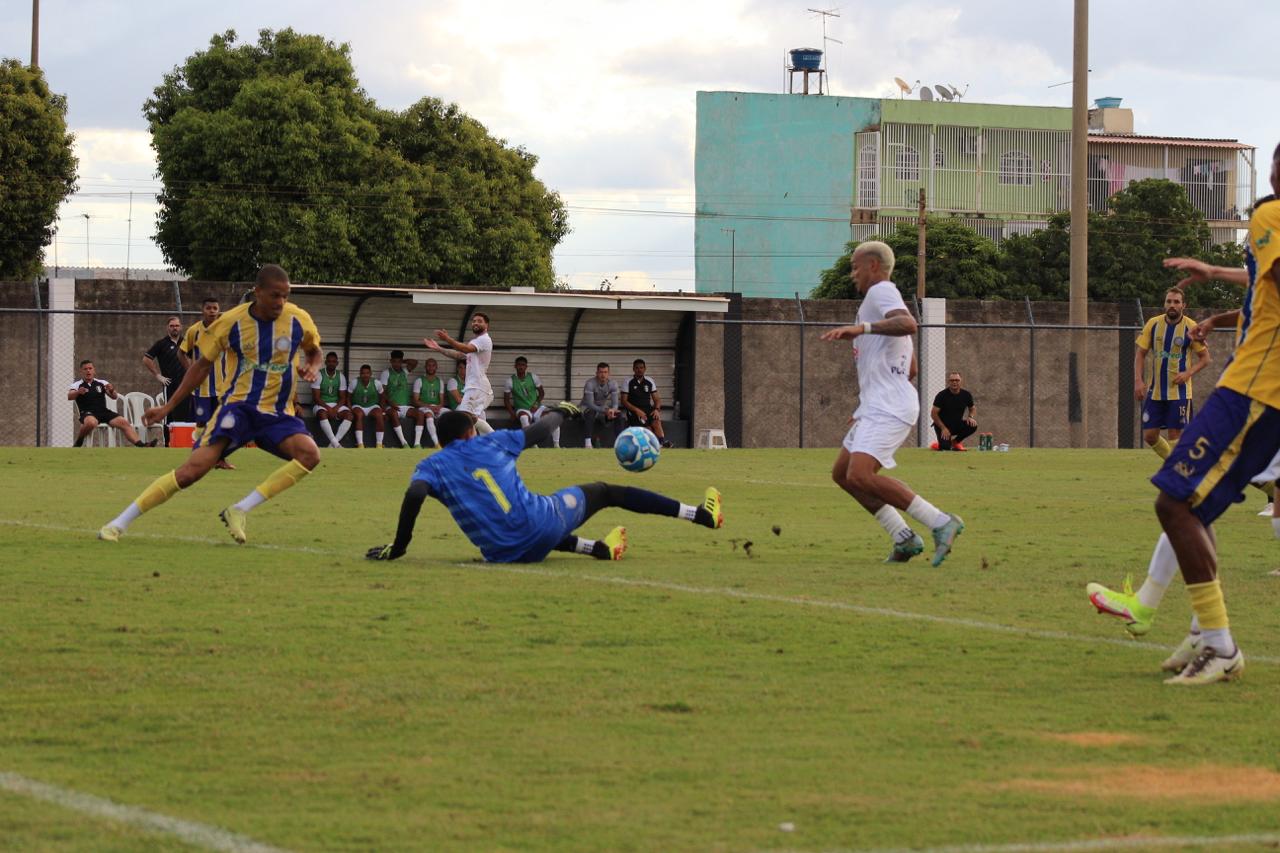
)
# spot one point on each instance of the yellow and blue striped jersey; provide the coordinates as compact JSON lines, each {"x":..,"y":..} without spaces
{"x":1254,"y":369}
{"x":1170,"y":343}
{"x":261,"y":355}
{"x":191,"y":346}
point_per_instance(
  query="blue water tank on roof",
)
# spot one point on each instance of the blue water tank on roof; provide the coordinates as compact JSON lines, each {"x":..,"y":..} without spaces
{"x":806,"y":59}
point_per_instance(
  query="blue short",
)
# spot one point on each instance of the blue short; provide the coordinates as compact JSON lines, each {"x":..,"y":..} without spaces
{"x":202,"y":408}
{"x":1231,"y":440}
{"x":243,"y":423}
{"x":1165,"y":414}
{"x":569,"y":510}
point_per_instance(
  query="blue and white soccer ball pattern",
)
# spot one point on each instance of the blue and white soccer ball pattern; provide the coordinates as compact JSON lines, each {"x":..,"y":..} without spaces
{"x":637,"y":449}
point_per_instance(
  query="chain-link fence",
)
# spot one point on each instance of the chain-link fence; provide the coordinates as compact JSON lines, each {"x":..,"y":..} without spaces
{"x":784,"y":387}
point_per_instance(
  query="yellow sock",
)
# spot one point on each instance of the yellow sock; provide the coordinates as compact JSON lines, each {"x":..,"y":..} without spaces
{"x":282,"y":478}
{"x":158,"y":492}
{"x":1207,"y":602}
{"x":1162,"y":447}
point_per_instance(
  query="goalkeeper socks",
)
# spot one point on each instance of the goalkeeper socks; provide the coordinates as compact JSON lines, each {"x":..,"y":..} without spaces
{"x":1162,"y":447}
{"x":279,"y":480}
{"x":163,"y":488}
{"x":652,"y":503}
{"x":1163,"y":566}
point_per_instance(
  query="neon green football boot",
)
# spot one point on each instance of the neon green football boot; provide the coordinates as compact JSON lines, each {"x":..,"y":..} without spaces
{"x":1138,"y":618}
{"x":235,"y":520}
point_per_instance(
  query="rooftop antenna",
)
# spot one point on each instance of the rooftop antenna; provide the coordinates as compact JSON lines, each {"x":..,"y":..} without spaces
{"x":943,"y":92}
{"x":824,"y":14}
{"x":956,"y":92}
{"x":905,"y":87}
{"x":926,"y":94}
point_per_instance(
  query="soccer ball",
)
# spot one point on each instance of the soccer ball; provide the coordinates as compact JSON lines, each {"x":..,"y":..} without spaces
{"x":637,"y":449}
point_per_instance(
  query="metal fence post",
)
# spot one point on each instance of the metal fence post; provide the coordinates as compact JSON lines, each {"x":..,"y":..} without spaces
{"x":800,"y":306}
{"x":1031,"y":377}
{"x":40,"y":396}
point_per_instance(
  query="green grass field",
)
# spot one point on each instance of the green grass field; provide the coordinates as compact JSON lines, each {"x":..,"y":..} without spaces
{"x":703,"y":694}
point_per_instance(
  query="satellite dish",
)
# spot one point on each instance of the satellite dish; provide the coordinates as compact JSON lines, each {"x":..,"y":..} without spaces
{"x":955,"y":90}
{"x":926,"y":94}
{"x":943,"y":92}
{"x":905,"y":87}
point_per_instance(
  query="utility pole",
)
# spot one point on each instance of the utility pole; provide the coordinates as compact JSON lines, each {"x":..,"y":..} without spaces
{"x":35,"y":33}
{"x":920,"y":244}
{"x":1078,"y":358}
{"x":733,"y":258}
{"x":88,"y":265}
{"x":128,"y":241}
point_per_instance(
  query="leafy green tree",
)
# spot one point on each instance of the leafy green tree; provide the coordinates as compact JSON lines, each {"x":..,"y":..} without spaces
{"x":272,"y":152}
{"x":37,"y":167}
{"x":960,"y":263}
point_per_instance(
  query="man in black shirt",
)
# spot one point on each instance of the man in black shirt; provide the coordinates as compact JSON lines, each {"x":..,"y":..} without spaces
{"x":165,"y":363}
{"x":954,"y":415}
{"x":641,"y":402}
{"x":90,"y":396}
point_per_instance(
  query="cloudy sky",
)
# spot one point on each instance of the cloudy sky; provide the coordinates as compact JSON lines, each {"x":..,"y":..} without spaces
{"x":603,"y":92}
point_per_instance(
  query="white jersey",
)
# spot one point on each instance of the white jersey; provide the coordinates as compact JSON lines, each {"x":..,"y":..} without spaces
{"x":478,"y":363}
{"x":884,"y":361}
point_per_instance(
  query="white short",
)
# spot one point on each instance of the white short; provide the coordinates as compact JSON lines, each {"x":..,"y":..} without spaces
{"x":401,"y":411}
{"x":430,"y":412}
{"x":316,"y":410}
{"x":879,"y":437}
{"x":475,"y":402}
{"x":366,"y":409}
{"x":1271,"y":474}
{"x":533,"y":414}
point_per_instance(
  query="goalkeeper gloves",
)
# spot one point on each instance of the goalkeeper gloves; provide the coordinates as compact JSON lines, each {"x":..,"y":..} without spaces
{"x":383,"y":552}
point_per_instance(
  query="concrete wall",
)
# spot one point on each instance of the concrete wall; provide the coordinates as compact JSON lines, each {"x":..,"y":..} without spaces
{"x":778,"y":169}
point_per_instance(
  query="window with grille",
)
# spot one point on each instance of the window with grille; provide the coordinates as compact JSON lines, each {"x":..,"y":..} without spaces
{"x":939,"y":159}
{"x":1015,"y":169}
{"x":907,"y":164}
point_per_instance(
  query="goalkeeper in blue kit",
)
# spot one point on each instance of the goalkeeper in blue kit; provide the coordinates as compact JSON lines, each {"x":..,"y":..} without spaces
{"x":475,"y":477}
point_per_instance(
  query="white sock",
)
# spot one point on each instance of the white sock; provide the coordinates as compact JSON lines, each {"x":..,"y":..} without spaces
{"x":688,"y":513}
{"x":360,"y":437}
{"x":926,"y":513}
{"x":417,"y":434}
{"x":483,"y":428}
{"x":1275,"y":527}
{"x":399,"y":434}
{"x":555,"y":442}
{"x":379,"y":436}
{"x":587,"y":443}
{"x":124,"y":519}
{"x":327,"y":429}
{"x":1195,"y":624}
{"x":431,"y":428}
{"x":893,"y":523}
{"x":1219,"y":639}
{"x":523,"y":417}
{"x":251,"y":500}
{"x":1164,"y":565}
{"x":585,"y":546}
{"x":342,"y":431}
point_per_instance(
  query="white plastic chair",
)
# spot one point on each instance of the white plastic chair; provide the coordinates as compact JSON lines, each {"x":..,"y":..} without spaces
{"x":136,"y":404}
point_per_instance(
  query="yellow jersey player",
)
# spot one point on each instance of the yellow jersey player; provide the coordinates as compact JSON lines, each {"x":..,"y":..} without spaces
{"x":263,"y":340}
{"x":1167,"y":396}
{"x":205,"y":398}
{"x":1232,"y":439}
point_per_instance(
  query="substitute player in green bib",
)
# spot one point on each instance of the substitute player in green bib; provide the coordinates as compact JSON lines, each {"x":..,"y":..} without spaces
{"x":329,"y":401}
{"x":367,"y":400}
{"x":429,"y":398}
{"x":397,"y":384}
{"x":523,"y":398}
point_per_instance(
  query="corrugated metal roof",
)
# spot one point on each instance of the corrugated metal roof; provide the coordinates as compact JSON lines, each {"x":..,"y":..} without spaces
{"x":658,"y":301}
{"x":1181,"y":141}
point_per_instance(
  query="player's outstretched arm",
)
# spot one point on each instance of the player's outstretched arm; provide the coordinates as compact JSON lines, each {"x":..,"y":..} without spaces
{"x":417,"y":492}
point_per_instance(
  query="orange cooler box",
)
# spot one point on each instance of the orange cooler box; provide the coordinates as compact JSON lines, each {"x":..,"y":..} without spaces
{"x":180,"y":434}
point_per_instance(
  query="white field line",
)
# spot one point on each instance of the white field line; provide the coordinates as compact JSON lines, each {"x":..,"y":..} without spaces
{"x":196,"y":834}
{"x":710,"y":591}
{"x":1083,"y":846}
